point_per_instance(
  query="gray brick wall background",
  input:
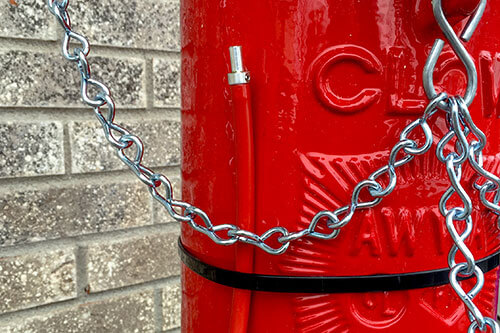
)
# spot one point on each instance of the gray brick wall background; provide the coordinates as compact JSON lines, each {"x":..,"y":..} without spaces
{"x":82,"y":246}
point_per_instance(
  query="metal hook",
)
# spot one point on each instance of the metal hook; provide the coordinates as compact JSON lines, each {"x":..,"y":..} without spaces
{"x":459,"y":49}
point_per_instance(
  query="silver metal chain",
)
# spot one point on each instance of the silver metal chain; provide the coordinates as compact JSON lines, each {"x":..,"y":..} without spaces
{"x":460,"y":126}
{"x":327,"y":224}
{"x":130,"y":150}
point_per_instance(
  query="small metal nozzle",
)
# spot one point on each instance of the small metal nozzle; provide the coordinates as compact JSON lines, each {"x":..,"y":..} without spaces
{"x":238,"y":74}
{"x":236,"y":59}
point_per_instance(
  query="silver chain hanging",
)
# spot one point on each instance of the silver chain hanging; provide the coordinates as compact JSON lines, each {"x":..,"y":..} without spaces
{"x":460,"y":127}
{"x":226,"y":234}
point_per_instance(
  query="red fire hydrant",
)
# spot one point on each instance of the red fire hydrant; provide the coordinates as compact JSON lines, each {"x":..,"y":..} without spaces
{"x":333,"y":83}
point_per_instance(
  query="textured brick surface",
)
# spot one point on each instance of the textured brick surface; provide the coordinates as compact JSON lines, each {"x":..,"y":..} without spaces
{"x":126,"y":314}
{"x":148,"y":24}
{"x":166,"y":82}
{"x":31,"y":149}
{"x":26,"y":19}
{"x":91,"y":152}
{"x":73,"y":224}
{"x":36,"y":278}
{"x":41,"y":79}
{"x":171,"y":304}
{"x":28,"y":215}
{"x":132,"y":261}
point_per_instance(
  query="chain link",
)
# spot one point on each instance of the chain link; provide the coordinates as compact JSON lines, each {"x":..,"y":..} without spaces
{"x":366,"y":194}
{"x":130,"y":149}
{"x":460,"y":127}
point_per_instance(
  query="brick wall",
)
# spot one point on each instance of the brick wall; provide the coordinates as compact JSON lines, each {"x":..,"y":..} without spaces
{"x":83,"y":248}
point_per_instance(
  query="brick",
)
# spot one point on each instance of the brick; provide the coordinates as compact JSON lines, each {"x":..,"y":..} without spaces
{"x":171,"y":306}
{"x":40,"y":79}
{"x":132,"y":261}
{"x":91,"y":152}
{"x":166,"y":82}
{"x":160,"y":214}
{"x":29,"y":215}
{"x":28,"y":19}
{"x":31,"y":149}
{"x":36,"y":278}
{"x":125,"y":314}
{"x":147,"y":24}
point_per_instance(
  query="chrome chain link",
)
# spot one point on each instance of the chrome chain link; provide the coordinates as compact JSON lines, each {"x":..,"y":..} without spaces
{"x":460,"y":127}
{"x":324,"y":225}
{"x":327,"y":224}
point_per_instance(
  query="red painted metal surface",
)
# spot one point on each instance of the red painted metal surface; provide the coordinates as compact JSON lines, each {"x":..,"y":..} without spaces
{"x":333,"y":83}
{"x":245,"y":199}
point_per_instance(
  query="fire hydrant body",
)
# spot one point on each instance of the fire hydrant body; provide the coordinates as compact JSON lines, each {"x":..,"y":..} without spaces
{"x":333,"y":83}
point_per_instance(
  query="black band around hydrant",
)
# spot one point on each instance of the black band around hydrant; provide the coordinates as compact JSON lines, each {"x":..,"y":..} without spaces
{"x":325,"y":284}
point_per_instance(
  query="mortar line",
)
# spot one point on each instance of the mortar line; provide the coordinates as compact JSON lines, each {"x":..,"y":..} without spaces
{"x":27,"y":44}
{"x":158,"y":310}
{"x":81,"y":271}
{"x":149,"y":84}
{"x":67,"y":150}
{"x":84,"y":114}
{"x":60,"y":306}
{"x":111,"y":51}
{"x":173,"y":330}
{"x":89,"y":239}
{"x":53,"y":46}
{"x":84,"y":178}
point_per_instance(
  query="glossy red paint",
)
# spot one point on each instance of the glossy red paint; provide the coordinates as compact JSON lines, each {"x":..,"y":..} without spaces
{"x":245,"y":198}
{"x":333,"y":83}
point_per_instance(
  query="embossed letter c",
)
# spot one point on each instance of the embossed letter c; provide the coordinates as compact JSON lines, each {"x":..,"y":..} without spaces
{"x":333,"y":55}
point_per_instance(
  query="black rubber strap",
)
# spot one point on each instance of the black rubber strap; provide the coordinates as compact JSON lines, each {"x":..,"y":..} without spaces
{"x":325,"y":284}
